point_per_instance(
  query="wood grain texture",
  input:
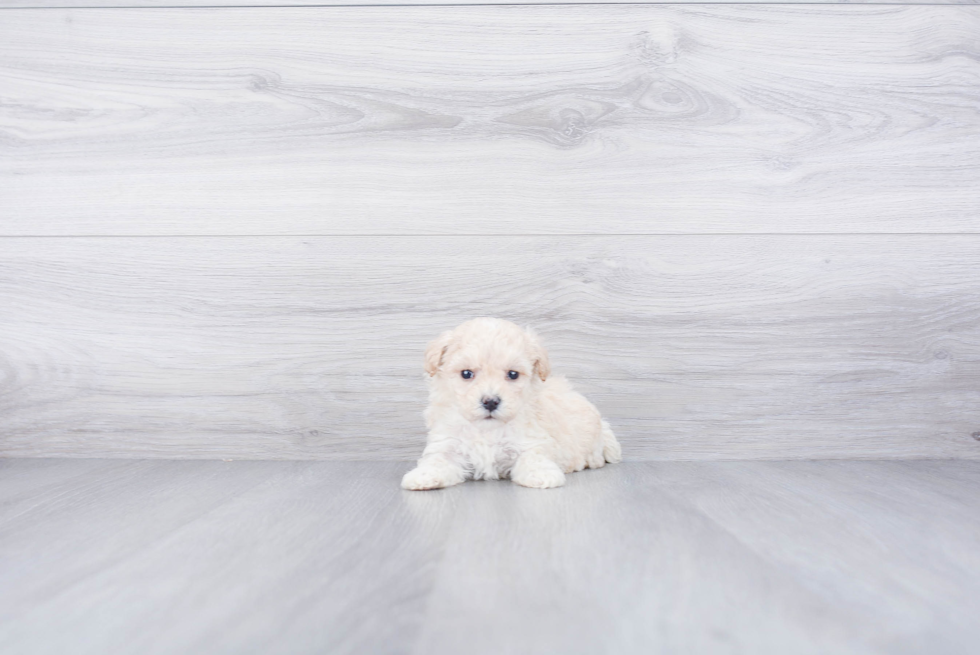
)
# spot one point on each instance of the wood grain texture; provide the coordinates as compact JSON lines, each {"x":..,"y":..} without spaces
{"x":715,"y":558}
{"x":67,"y":4}
{"x":846,"y":514}
{"x":693,"y":347}
{"x":490,"y":120}
{"x":312,"y":557}
{"x":334,"y":557}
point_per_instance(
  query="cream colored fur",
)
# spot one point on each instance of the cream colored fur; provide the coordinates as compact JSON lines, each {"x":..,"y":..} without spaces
{"x":541,"y":430}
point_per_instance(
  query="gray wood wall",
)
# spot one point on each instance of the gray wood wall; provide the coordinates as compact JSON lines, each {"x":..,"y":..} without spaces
{"x":745,"y":231}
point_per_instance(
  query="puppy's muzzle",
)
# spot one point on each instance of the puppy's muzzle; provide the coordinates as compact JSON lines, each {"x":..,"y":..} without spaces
{"x":490,"y":403}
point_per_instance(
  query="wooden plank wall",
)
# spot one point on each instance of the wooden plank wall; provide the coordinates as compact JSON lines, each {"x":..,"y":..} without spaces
{"x":376,"y":3}
{"x":746,"y":231}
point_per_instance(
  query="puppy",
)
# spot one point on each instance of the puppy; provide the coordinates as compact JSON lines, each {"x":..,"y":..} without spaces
{"x":495,"y":411}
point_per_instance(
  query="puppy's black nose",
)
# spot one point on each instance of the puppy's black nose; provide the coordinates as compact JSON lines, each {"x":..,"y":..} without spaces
{"x":491,"y":403}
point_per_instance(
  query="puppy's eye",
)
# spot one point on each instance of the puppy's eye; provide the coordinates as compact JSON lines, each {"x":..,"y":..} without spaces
{"x":513,"y":375}
{"x":467,"y":374}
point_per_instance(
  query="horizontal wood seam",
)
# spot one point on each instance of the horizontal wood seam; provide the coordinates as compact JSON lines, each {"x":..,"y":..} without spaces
{"x":464,"y":235}
{"x":511,"y":4}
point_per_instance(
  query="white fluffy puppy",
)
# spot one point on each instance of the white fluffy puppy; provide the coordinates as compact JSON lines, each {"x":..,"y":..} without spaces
{"x":495,"y":411}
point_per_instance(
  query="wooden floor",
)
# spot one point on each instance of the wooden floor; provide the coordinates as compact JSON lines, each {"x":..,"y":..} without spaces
{"x":117,"y":556}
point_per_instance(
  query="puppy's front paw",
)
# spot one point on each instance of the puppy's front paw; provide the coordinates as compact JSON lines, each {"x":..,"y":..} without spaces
{"x":542,"y":474}
{"x":421,"y":478}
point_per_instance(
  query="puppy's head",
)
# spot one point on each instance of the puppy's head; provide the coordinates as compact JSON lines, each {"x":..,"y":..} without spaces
{"x":487,"y":369}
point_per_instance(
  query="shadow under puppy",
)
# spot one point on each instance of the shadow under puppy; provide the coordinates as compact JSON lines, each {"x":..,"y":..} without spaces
{"x":495,"y":411}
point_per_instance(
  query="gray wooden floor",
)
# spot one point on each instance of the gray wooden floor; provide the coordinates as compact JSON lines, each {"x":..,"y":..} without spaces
{"x":116,"y":556}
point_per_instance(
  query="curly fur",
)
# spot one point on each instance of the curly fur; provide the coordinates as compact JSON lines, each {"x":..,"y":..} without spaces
{"x":541,"y":429}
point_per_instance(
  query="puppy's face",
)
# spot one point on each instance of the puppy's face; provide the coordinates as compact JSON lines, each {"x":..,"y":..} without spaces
{"x":486,"y":368}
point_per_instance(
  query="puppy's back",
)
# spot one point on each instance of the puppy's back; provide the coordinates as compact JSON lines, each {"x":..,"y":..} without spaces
{"x":581,"y":437}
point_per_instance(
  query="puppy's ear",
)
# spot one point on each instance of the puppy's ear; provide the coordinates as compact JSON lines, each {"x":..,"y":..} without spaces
{"x":538,"y":355}
{"x":435,"y":352}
